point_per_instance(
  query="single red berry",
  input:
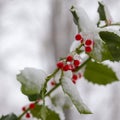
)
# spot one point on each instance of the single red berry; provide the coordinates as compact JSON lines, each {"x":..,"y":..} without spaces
{"x":23,"y":108}
{"x":69,"y":58}
{"x":32,"y":106}
{"x":78,"y":37}
{"x":88,"y":49}
{"x":53,"y":83}
{"x":66,"y":67}
{"x":76,"y":63}
{"x":27,"y":115}
{"x":74,"y":81}
{"x":74,"y":77}
{"x":60,"y":64}
{"x":88,"y":42}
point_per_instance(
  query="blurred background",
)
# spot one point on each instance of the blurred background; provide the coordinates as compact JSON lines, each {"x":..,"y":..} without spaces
{"x":35,"y":33}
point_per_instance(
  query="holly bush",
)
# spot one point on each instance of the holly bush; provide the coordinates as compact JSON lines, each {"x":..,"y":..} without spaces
{"x":93,"y":44}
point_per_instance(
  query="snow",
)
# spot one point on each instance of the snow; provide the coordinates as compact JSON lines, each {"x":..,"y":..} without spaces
{"x":70,"y":89}
{"x":33,"y":79}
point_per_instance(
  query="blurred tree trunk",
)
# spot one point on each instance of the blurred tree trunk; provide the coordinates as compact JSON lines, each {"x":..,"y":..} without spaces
{"x":61,"y":29}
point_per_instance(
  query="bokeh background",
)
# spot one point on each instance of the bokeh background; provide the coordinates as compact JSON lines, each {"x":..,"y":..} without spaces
{"x":35,"y":33}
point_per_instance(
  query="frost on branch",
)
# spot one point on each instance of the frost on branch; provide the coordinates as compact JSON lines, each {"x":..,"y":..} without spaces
{"x":32,"y":81}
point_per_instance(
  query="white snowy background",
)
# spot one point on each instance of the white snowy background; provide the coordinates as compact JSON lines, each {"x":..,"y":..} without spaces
{"x":24,"y":42}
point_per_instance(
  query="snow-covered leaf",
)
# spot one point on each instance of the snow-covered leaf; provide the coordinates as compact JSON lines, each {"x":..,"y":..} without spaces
{"x":9,"y":117}
{"x":44,"y":113}
{"x":104,"y":13}
{"x":61,"y":100}
{"x":99,"y":73}
{"x":100,"y":50}
{"x":101,"y":11}
{"x":70,"y":89}
{"x":83,"y":23}
{"x":32,"y":81}
{"x":112,"y":41}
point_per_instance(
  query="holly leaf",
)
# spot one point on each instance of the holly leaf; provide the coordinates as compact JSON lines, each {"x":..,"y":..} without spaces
{"x":100,"y":51}
{"x":34,"y":97}
{"x":32,"y":82}
{"x":99,"y":73}
{"x":44,"y":113}
{"x":101,"y":12}
{"x":9,"y":117}
{"x":112,"y":41}
{"x":61,"y":100}
{"x":70,"y":89}
{"x":75,"y":17}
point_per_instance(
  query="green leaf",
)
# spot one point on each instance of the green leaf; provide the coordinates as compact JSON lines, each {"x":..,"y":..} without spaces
{"x":100,"y":51}
{"x":34,"y":97}
{"x":9,"y":117}
{"x":101,"y":12}
{"x":112,"y":41}
{"x":70,"y":89}
{"x":61,"y":100}
{"x":44,"y":113}
{"x":75,"y":17}
{"x":99,"y":73}
{"x":32,"y":81}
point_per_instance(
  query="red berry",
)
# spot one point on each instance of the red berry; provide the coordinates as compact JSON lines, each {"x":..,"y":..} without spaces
{"x":60,"y":64}
{"x":74,"y":81}
{"x":32,"y":106}
{"x":27,"y":115}
{"x":23,"y":108}
{"x":74,"y":77}
{"x":78,"y":37}
{"x":88,"y":49}
{"x":53,"y":83}
{"x":66,"y":67}
{"x":69,"y":58}
{"x":76,"y":63}
{"x":88,"y":42}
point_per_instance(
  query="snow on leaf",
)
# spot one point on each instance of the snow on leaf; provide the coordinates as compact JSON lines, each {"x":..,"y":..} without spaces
{"x":68,"y":74}
{"x":104,"y":12}
{"x":70,"y":89}
{"x":85,"y":23}
{"x":61,"y":100}
{"x":32,"y":80}
{"x":9,"y":117}
{"x":74,"y":45}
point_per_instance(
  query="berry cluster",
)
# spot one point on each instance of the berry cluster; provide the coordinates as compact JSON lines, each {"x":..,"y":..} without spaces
{"x":70,"y":64}
{"x":30,"y":106}
{"x":88,"y":43}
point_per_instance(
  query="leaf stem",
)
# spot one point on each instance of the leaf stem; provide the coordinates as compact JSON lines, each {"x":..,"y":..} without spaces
{"x":52,"y":75}
{"x":77,"y":50}
{"x":113,"y":24}
{"x":57,"y":85}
